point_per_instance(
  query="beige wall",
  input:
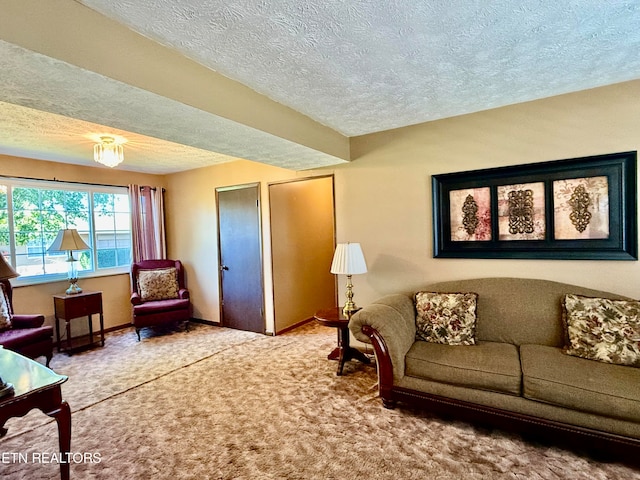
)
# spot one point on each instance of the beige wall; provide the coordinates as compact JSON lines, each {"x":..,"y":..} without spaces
{"x":115,"y":289}
{"x":384,"y":196}
{"x":192,"y":234}
{"x":383,"y":199}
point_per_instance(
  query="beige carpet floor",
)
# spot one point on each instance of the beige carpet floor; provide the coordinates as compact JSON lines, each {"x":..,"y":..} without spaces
{"x":215,"y":403}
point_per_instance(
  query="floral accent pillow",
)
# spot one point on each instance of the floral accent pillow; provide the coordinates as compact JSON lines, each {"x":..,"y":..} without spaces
{"x":446,"y":318}
{"x":5,"y":310}
{"x":603,"y":329}
{"x":159,"y":284}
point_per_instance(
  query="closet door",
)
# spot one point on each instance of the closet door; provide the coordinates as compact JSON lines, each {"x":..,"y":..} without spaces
{"x":240,"y":258}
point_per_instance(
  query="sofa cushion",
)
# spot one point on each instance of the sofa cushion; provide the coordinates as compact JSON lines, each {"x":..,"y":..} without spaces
{"x":552,"y":377}
{"x":446,"y":318}
{"x":486,"y":365}
{"x":158,"y":284}
{"x":603,"y":329}
{"x":161,"y":306}
{"x":17,"y":337}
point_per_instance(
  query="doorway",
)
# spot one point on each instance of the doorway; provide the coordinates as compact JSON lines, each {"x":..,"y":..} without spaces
{"x":240,"y":257}
{"x":302,"y":245}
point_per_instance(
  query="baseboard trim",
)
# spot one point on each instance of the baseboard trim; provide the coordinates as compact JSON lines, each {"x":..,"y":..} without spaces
{"x":205,"y":322}
{"x":117,"y":327}
{"x":294,"y":326}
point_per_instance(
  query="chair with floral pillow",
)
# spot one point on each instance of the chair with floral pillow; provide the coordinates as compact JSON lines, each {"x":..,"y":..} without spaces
{"x":159,"y":294}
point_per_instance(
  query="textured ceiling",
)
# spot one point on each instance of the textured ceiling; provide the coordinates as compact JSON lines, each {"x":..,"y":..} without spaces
{"x":67,"y":108}
{"x":31,"y":133}
{"x":356,"y":67}
{"x":365,"y":66}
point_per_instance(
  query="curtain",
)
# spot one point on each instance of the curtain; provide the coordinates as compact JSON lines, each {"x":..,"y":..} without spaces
{"x":147,"y":223}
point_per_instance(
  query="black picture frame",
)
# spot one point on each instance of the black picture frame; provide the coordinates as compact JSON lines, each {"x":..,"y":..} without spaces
{"x":545,"y":213}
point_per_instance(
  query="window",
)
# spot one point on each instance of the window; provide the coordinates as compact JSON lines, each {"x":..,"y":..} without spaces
{"x":32,"y":213}
{"x":36,"y":252}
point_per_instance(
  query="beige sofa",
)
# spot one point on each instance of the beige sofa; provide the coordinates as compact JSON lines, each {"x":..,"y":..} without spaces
{"x":516,"y":375}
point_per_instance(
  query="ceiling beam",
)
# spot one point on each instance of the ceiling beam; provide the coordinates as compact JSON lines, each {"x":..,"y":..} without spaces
{"x":73,"y":33}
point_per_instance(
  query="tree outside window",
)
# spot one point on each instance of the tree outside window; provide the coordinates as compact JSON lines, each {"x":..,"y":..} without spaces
{"x":32,"y":215}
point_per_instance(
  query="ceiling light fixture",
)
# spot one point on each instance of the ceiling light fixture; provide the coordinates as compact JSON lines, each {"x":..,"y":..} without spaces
{"x":108,"y":152}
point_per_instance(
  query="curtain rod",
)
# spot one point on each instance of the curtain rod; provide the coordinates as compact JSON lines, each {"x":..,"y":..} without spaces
{"x":54,"y":179}
{"x":70,"y":181}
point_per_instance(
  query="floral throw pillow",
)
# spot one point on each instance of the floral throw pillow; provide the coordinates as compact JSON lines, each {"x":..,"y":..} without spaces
{"x":5,"y":310}
{"x":447,"y":318}
{"x":159,"y":284}
{"x":603,"y":329}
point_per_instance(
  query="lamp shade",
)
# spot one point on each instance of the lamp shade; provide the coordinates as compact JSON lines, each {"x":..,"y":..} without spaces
{"x":6,"y":270}
{"x":348,"y":259}
{"x":68,"y":239}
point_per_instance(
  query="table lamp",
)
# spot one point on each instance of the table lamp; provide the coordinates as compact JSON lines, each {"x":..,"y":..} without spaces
{"x":348,"y":260}
{"x":6,"y":270}
{"x":69,"y":240}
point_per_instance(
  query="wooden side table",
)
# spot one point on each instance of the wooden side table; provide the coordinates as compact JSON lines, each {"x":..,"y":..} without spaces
{"x":69,"y":307}
{"x":334,"y":317}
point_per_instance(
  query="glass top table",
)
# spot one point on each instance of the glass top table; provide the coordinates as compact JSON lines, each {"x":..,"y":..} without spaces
{"x":35,"y":386}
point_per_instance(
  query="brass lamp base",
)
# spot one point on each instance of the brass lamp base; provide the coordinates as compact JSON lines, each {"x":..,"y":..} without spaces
{"x":349,"y":310}
{"x":349,"y":307}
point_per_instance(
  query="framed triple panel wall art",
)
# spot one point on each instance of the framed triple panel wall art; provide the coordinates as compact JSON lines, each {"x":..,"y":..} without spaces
{"x":581,"y":208}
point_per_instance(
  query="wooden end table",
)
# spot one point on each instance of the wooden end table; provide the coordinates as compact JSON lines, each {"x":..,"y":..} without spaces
{"x":334,"y":317}
{"x":35,"y":386}
{"x":69,"y":307}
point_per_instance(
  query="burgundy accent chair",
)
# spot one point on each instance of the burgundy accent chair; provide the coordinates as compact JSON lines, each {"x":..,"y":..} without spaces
{"x":27,"y":335}
{"x":158,"y":312}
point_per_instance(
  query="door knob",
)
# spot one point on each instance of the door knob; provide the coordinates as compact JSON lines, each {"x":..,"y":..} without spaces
{"x":224,"y":267}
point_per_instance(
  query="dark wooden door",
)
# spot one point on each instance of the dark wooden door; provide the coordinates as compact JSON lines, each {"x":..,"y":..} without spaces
{"x":240,"y":258}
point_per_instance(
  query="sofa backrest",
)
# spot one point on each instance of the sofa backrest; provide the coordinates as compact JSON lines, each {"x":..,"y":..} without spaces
{"x":519,"y":310}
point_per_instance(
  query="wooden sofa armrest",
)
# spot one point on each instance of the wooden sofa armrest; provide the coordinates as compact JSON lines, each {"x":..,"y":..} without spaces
{"x":135,"y":298}
{"x":383,"y":364}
